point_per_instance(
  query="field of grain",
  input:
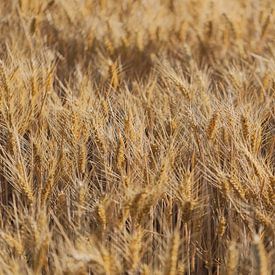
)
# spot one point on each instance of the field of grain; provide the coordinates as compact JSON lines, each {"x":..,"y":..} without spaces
{"x":137,"y":137}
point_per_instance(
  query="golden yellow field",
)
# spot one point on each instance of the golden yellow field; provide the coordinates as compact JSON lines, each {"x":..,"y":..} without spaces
{"x":137,"y":137}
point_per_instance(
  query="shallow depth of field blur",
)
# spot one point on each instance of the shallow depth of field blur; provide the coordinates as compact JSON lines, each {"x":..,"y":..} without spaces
{"x":137,"y":137}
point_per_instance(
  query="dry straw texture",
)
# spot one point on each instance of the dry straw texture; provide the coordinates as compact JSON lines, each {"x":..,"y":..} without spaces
{"x":137,"y":137}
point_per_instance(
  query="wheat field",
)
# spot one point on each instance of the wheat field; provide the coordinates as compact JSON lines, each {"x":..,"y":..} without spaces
{"x":137,"y":137}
